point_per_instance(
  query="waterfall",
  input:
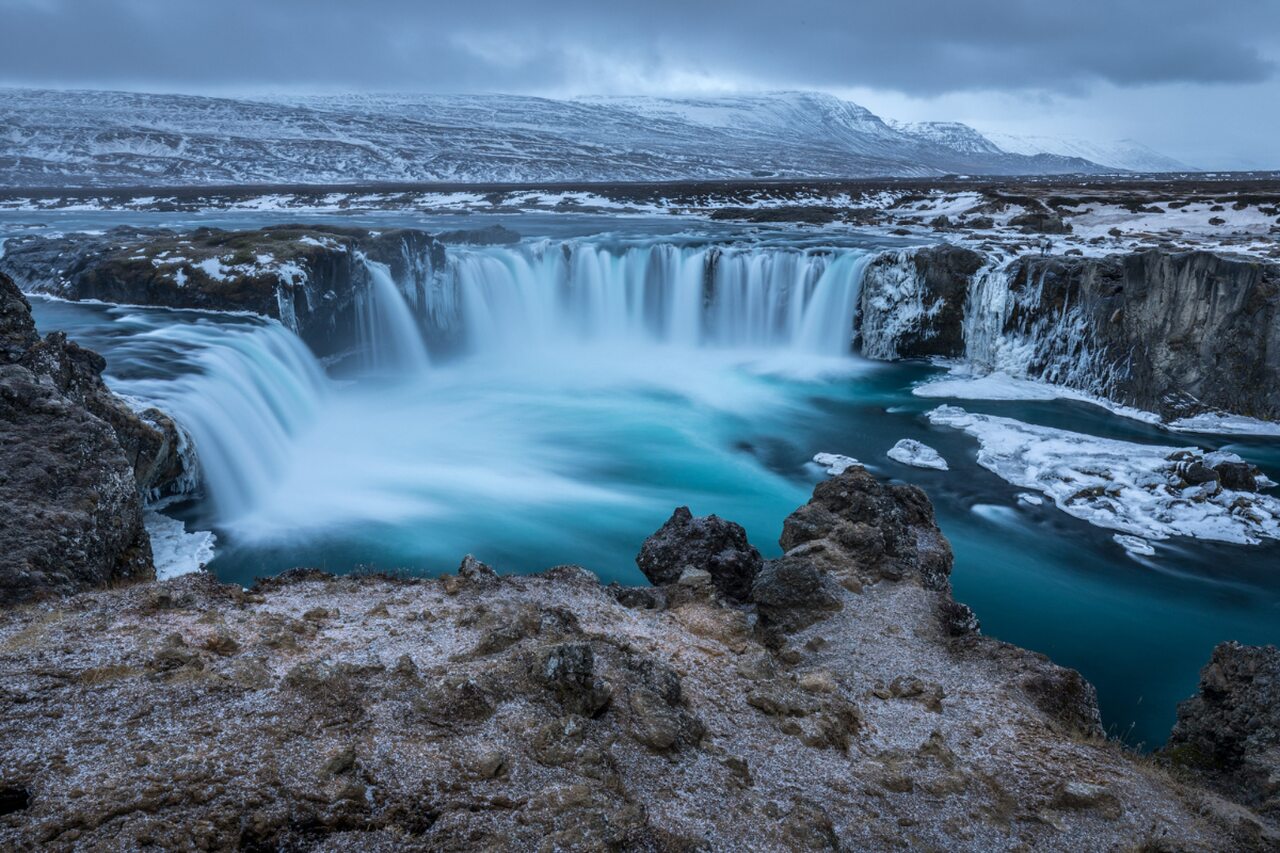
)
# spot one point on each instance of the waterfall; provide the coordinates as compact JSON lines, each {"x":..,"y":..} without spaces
{"x":517,"y":299}
{"x":389,"y":334}
{"x":247,"y":390}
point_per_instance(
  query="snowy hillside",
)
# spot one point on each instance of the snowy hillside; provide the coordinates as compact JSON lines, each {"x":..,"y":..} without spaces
{"x":68,"y":138}
{"x":1125,"y":154}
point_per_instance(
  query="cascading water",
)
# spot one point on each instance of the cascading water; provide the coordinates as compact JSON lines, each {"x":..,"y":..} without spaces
{"x":531,"y":296}
{"x":247,"y":391}
{"x":391,"y":339}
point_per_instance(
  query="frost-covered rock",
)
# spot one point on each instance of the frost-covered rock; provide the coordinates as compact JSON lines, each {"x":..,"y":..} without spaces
{"x":908,"y":451}
{"x":1137,"y":489}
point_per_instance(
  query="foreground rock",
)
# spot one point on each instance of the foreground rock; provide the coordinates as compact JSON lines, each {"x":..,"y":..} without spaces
{"x":846,"y":703}
{"x":73,"y":459}
{"x":1231,"y":729}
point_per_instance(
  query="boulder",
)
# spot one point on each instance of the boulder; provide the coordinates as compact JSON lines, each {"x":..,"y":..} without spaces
{"x":1230,"y":730}
{"x":710,"y":543}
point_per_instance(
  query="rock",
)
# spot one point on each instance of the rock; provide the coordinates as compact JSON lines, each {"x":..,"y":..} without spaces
{"x":1230,"y":731}
{"x":1237,"y":476}
{"x":913,"y":301}
{"x":476,"y":572}
{"x":69,"y":490}
{"x":792,"y":593}
{"x":1084,"y":796}
{"x":708,"y":543}
{"x":1040,"y":222}
{"x":568,"y":670}
{"x":885,"y":530}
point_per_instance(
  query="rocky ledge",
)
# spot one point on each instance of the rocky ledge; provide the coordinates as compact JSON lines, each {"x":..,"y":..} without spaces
{"x":834,"y":698}
{"x":74,"y":461}
{"x":312,"y":278}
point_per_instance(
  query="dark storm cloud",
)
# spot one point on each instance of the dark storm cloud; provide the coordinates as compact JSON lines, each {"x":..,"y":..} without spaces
{"x":915,"y":47}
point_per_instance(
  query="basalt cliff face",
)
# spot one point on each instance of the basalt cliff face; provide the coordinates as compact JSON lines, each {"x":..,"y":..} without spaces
{"x":75,"y":461}
{"x":835,"y":698}
{"x":1176,"y":333}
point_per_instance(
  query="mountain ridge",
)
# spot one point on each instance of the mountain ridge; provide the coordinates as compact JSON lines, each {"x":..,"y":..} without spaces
{"x":86,"y":138}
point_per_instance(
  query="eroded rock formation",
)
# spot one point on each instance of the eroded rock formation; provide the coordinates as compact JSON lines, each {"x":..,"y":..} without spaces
{"x":73,"y":459}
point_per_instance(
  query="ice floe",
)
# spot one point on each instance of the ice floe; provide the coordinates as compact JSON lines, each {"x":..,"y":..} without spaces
{"x":176,"y":551}
{"x":835,"y":463}
{"x":1137,"y":489}
{"x":908,"y":451}
{"x":1224,"y":424}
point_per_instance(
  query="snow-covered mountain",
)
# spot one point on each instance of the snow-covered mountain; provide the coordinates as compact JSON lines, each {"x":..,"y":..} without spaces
{"x":51,"y":138}
{"x":1126,"y":154}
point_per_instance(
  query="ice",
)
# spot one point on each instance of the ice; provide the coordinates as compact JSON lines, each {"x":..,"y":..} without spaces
{"x":175,"y":550}
{"x":908,"y":451}
{"x":962,"y":383}
{"x":1135,"y":545}
{"x":1225,"y":424}
{"x":835,"y":463}
{"x":1124,"y":486}
{"x":1029,"y":499}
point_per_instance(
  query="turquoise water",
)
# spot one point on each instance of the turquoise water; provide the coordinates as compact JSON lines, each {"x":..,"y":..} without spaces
{"x":578,"y":452}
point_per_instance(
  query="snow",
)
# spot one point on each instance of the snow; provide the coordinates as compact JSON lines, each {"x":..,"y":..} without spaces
{"x":56,"y":139}
{"x":1125,"y":486}
{"x":963,"y":384}
{"x":835,"y":463}
{"x":908,"y":451}
{"x":214,"y":269}
{"x":175,"y":550}
{"x":1225,"y":424}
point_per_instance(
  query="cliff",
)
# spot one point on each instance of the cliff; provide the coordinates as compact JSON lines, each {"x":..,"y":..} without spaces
{"x":74,"y":463}
{"x":1177,"y":333}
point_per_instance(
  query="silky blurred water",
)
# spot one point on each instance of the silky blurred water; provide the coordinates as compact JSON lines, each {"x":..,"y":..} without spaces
{"x":574,"y":452}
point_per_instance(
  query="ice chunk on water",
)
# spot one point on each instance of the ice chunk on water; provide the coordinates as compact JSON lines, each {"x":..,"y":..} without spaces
{"x":908,"y":451}
{"x":835,"y":463}
{"x":175,"y":550}
{"x":1133,"y":488}
{"x":1135,"y":545}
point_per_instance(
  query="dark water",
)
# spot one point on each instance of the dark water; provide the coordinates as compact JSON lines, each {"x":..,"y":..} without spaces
{"x":578,"y":456}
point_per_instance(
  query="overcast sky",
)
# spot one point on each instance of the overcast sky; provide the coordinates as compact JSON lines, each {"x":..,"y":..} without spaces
{"x":1196,"y":79}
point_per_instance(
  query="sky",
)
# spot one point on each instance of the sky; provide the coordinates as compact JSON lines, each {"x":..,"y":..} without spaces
{"x":1195,"y":79}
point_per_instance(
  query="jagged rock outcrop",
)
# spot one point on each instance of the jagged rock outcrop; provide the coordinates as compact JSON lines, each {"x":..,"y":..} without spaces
{"x":73,"y":459}
{"x":478,"y":711}
{"x":1230,"y":730}
{"x":710,"y":544}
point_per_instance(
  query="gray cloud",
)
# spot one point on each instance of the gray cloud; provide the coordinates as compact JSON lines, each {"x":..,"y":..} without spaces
{"x":911,"y":46}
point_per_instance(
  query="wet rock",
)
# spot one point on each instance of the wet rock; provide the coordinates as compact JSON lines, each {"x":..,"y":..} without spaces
{"x":710,"y":543}
{"x":1040,"y":222}
{"x":1237,"y":476}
